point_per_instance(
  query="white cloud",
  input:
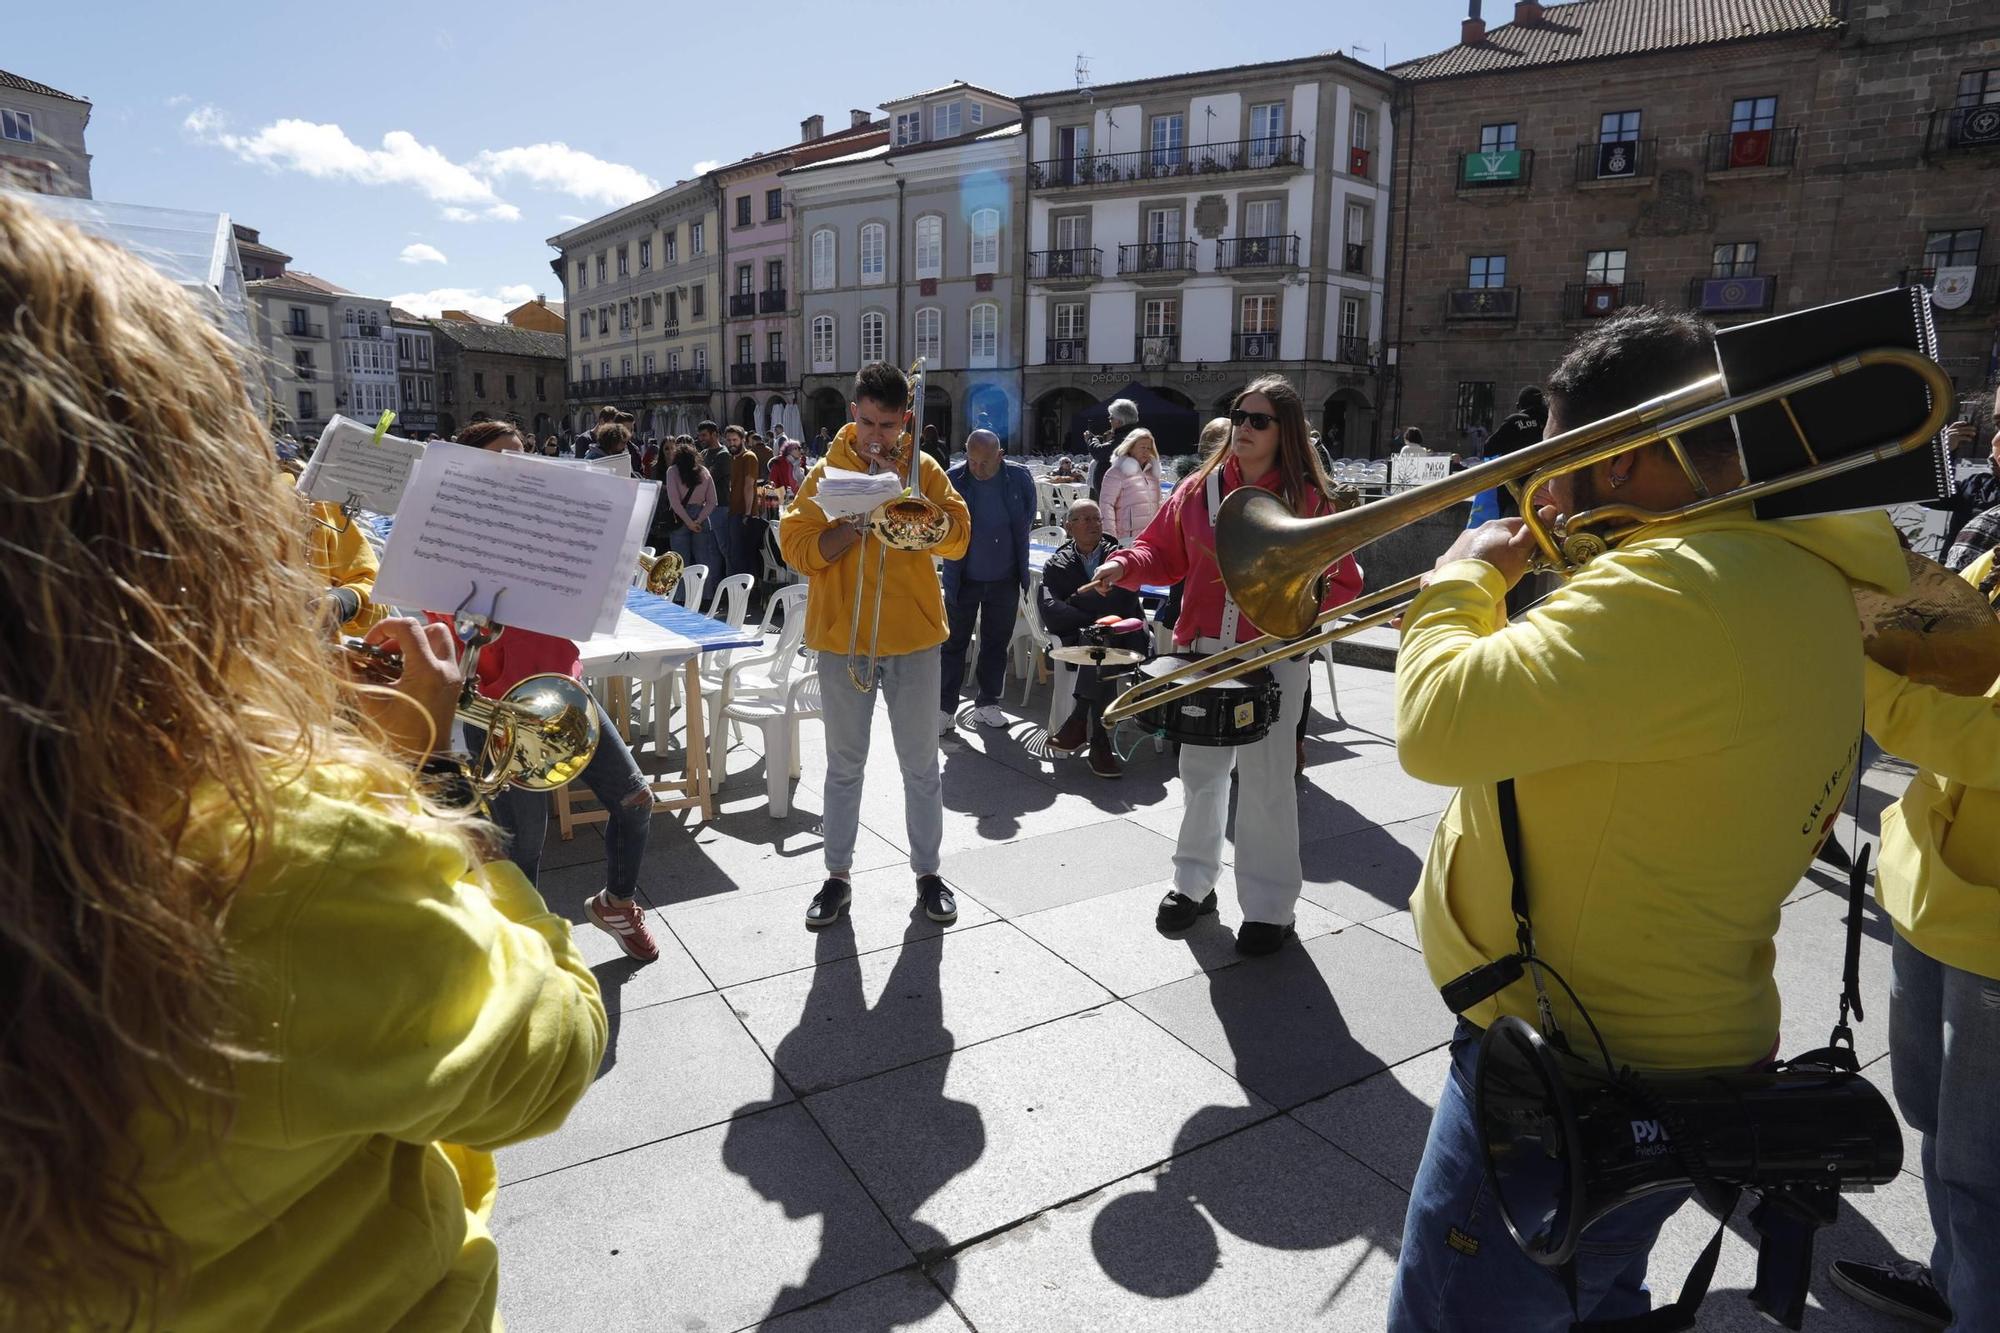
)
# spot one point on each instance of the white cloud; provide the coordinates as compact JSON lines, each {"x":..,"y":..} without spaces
{"x":705,"y":166}
{"x":504,"y":213}
{"x":570,"y":171}
{"x":419,"y":253}
{"x":486,"y":304}
{"x":458,"y":215}
{"x":179,"y":100}
{"x":572,"y":219}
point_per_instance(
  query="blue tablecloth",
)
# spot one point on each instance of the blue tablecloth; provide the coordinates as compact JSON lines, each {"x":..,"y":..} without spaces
{"x":706,"y":632}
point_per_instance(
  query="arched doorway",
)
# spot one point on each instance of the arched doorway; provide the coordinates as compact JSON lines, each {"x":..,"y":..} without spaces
{"x":771,"y":416}
{"x":826,"y":410}
{"x":1347,"y":424}
{"x":937,"y":412}
{"x":544,"y":425}
{"x":745,"y":414}
{"x":1058,"y":421}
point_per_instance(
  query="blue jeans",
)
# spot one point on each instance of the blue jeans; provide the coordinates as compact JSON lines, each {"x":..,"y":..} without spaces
{"x":1944,"y":1058}
{"x":614,"y":778}
{"x":993,"y":603}
{"x":699,"y":548}
{"x":722,"y":524}
{"x":1461,"y":1272}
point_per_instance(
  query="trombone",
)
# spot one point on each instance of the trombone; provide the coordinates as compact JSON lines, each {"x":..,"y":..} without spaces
{"x":907,"y":523}
{"x":1273,"y":563}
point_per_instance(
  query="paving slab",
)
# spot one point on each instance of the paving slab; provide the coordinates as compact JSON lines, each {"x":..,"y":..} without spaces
{"x":742,"y":937}
{"x":1308,"y":1019}
{"x":906,"y":1301}
{"x":1268,"y":1231}
{"x":1398,"y":926}
{"x":959,"y":1145}
{"x":1383,"y":1121}
{"x":667,"y":1069}
{"x":718,"y":1229}
{"x":854,"y":1016}
{"x":1056,"y":868}
{"x":627,"y":983}
{"x":1112,"y":938}
{"x":745,"y":850}
{"x":1368,"y":872}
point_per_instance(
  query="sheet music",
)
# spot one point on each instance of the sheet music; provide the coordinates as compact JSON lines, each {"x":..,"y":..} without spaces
{"x":558,"y":545}
{"x":349,"y":468}
{"x":843,"y":493}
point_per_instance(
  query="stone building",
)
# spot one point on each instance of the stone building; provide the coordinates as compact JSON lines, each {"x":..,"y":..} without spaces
{"x":416,"y":374}
{"x":1189,"y":232}
{"x":540,"y":315}
{"x":496,"y":372}
{"x":41,"y":138}
{"x":1737,"y":160}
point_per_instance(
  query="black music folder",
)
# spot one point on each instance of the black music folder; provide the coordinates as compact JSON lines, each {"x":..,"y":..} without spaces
{"x":1854,"y":412}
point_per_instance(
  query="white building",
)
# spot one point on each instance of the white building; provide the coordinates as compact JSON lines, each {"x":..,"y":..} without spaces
{"x":364,"y":368}
{"x":41,"y":138}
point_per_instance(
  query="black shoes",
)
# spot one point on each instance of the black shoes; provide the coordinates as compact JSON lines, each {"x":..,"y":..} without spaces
{"x":1103,"y":758}
{"x":1262,"y":937}
{"x":939,"y":904}
{"x":1069,"y":738}
{"x":828,"y":903}
{"x":1901,"y":1287}
{"x":1178,"y":911}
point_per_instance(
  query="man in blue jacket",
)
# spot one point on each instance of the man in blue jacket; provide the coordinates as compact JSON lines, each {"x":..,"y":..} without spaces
{"x":987,"y":584}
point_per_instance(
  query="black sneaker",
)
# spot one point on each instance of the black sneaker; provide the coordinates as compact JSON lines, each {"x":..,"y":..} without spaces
{"x":829,"y":903}
{"x":1901,"y":1287}
{"x":1262,"y":937}
{"x":939,"y":905}
{"x":1178,"y":911}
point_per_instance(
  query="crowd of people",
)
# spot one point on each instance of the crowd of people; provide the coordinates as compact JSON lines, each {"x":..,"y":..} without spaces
{"x":276,"y":985}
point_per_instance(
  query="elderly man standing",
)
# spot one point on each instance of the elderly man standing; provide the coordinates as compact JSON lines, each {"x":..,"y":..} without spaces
{"x":1124,"y":417}
{"x":987,"y":582}
{"x":1068,"y":603}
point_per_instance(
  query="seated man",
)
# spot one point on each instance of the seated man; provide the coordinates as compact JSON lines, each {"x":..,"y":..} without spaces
{"x":1067,"y":606}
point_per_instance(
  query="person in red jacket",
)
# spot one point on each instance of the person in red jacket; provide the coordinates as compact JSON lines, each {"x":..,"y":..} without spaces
{"x":1268,"y":448}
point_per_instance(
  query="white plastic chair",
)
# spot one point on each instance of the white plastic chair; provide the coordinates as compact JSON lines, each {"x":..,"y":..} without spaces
{"x":1062,"y":690}
{"x":778,"y":717}
{"x":1048,"y":536}
{"x":732,"y":600}
{"x":776,"y":571}
{"x":762,"y":675}
{"x":694,"y":581}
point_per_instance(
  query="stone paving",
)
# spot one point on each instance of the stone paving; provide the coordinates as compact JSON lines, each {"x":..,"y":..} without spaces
{"x":1048,"y":1116}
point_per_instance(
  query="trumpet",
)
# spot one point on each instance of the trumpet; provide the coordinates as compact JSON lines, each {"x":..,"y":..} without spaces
{"x":907,"y":523}
{"x":1273,"y":562}
{"x":662,"y":571}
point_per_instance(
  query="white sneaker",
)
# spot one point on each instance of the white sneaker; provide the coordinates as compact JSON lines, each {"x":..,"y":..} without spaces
{"x":947,"y":722}
{"x":989,"y":715}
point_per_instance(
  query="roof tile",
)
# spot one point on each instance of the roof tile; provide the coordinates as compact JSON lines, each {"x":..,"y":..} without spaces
{"x":1594,"y":29}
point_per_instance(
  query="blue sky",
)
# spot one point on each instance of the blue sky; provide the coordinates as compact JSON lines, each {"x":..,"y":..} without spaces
{"x":428,"y":149}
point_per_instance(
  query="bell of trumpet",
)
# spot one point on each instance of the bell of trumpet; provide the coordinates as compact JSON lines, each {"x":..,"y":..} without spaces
{"x":663,"y":572}
{"x":909,"y":523}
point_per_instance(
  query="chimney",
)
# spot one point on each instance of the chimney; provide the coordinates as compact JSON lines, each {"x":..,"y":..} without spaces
{"x":812,"y":127}
{"x":1527,"y":11}
{"x":1472,"y":30}
{"x":856,"y":118}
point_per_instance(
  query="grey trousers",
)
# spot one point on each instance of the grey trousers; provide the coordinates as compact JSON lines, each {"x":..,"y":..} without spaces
{"x":908,"y":685}
{"x":1268,"y":872}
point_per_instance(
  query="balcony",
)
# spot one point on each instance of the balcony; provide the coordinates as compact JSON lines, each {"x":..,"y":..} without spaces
{"x":1966,"y":290}
{"x":1502,"y":170}
{"x":1615,"y":163}
{"x":304,"y":373}
{"x":1351,"y":351}
{"x":299,"y":328}
{"x":1482,"y":303}
{"x":1243,"y":252}
{"x":1742,"y":294}
{"x":743,"y":373}
{"x":686,"y":381}
{"x":1595,"y":300}
{"x":1060,"y":267}
{"x":1068,"y":351}
{"x":1254,"y":347}
{"x":1354,"y":257}
{"x":1157,"y":349}
{"x":741,"y":304}
{"x":1962,"y":129}
{"x":361,"y":331}
{"x":771,"y":301}
{"x":1171,"y":257}
{"x":1751,"y":150}
{"x":1205,"y":159}
{"x":774,"y":373}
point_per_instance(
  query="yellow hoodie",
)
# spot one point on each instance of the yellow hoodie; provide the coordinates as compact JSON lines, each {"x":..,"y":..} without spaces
{"x":912,"y":598}
{"x":1939,"y":879}
{"x":1681,"y":721}
{"x":346,"y":560}
{"x":412,"y":1014}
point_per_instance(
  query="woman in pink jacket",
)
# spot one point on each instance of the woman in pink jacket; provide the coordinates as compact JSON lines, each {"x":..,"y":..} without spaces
{"x":1270,"y":449}
{"x":1131,"y":493}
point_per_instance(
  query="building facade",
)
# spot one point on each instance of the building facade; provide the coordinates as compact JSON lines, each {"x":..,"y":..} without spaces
{"x":294,"y":313}
{"x":416,"y":374}
{"x":538,"y":316}
{"x":913,"y":248}
{"x":1186,"y":234}
{"x":41,"y":138}
{"x":259,"y":259}
{"x":364,"y":371}
{"x":643,"y":311}
{"x":496,"y":372}
{"x":1564,"y":165}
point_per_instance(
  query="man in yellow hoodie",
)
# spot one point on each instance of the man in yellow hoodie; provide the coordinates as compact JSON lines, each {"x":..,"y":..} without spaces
{"x":1679,"y":722}
{"x":1939,"y":883}
{"x":841,"y":570}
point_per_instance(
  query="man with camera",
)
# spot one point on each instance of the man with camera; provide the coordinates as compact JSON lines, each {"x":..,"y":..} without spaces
{"x":1676,"y":724}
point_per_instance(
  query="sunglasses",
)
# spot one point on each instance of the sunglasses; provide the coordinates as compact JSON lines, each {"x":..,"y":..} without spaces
{"x":1257,"y":420}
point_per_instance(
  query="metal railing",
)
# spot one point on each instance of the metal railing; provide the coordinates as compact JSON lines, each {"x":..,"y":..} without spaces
{"x":1962,"y":129}
{"x":1594,"y":300}
{"x":361,"y":330}
{"x":1524,"y":167}
{"x":1981,"y":295}
{"x":1354,"y":256}
{"x":742,"y":373}
{"x":1157,"y":349}
{"x":1059,"y":265}
{"x":1157,"y":257}
{"x":774,"y":372}
{"x":1202,"y":159}
{"x":1496,"y":303}
{"x":1351,"y":351}
{"x":1636,"y":162}
{"x":1254,"y":346}
{"x":1068,"y":351}
{"x":299,"y":328}
{"x":742,"y":303}
{"x":771,"y":301}
{"x":1257,"y":252}
{"x":1734,"y":150}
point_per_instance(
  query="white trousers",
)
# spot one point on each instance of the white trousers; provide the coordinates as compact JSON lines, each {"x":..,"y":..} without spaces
{"x":1267,"y":811}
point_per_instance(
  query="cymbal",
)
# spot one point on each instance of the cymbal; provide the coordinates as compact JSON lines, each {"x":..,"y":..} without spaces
{"x":1939,"y":631}
{"x":1084,"y":654}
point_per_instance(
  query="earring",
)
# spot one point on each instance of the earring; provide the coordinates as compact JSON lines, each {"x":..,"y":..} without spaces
{"x":1617,"y":481}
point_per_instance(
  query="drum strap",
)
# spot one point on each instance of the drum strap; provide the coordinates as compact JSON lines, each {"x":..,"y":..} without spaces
{"x":1230,"y":615}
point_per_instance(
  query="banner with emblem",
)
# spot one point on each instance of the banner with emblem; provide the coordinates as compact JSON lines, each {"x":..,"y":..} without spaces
{"x":1749,"y":148}
{"x":1600,"y":300}
{"x":1979,"y":124}
{"x":1617,"y":159}
{"x":1951,"y":288}
{"x":1725,"y":295}
{"x":1492,"y":168}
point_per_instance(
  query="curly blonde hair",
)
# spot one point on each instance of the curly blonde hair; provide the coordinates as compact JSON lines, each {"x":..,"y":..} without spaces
{"x":166,"y":690}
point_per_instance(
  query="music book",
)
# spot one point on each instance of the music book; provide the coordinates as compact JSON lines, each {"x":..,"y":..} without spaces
{"x":349,"y":467}
{"x":1871,"y":407}
{"x":844,"y":493}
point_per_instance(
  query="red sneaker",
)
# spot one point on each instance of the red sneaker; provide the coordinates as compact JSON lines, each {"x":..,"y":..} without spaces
{"x":624,"y":922}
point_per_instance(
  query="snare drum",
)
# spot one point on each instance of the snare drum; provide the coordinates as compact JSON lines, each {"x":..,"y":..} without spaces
{"x":1230,"y":712}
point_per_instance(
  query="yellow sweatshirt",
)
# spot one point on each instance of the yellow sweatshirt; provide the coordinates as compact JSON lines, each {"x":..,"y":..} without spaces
{"x":413,"y":1015}
{"x":1681,"y":721}
{"x":1939,"y":880}
{"x":346,"y":560}
{"x":912,"y":598}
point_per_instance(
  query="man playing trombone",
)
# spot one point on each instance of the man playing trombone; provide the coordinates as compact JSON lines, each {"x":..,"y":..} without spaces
{"x":851,"y":570}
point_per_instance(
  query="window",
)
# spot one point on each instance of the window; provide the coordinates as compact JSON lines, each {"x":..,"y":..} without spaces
{"x":975,"y":113}
{"x":625,"y":316}
{"x":1977,"y":87}
{"x":299,"y":319}
{"x":985,"y":324}
{"x":743,"y":345}
{"x":673,"y":310}
{"x":930,"y":334}
{"x":308,"y":408}
{"x":402,"y":347}
{"x":1605,"y":266}
{"x":1618,"y":127}
{"x":582,"y":274}
{"x":604,"y":320}
{"x":1262,"y":217}
{"x":774,"y":205}
{"x":698,"y":301}
{"x":1169,"y":138}
{"x":479,"y":381}
{"x":1355,"y":255}
{"x":674,"y":362}
{"x":624,"y":268}
{"x":423,"y":351}
{"x":985,"y":240}
{"x":1260,"y":314}
{"x":1072,"y":231}
{"x":1502,"y":138}
{"x":424,"y":390}
{"x":1735,"y":259}
{"x":823,"y":269}
{"x":18,"y":126}
{"x":700,"y":358}
{"x":774,"y":347}
{"x":510,"y":378}
{"x":1486,"y":271}
{"x":774,"y":275}
{"x":1162,"y":318}
{"x":874,"y":241}
{"x":873,"y":335}
{"x":1072,"y":147}
{"x":1753,"y":113}
{"x":1267,"y":120}
{"x":742,"y":210}
{"x":822,"y":342}
{"x":1475,"y":405}
{"x":645,"y":368}
{"x":646,"y":313}
{"x":695,"y":230}
{"x":945,"y":120}
{"x":673,"y":244}
{"x":1953,"y":249}
{"x":600,"y":269}
{"x":909,"y":127}
{"x":1071,"y":319}
{"x":604,"y":370}
{"x":1163,"y":226}
{"x":930,"y":246}
{"x":1350,"y":316}
{"x":744,"y":277}
{"x":1358,"y":130}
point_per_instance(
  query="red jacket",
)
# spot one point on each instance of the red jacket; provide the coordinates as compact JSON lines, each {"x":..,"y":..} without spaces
{"x":1179,"y":544}
{"x":518,"y":654}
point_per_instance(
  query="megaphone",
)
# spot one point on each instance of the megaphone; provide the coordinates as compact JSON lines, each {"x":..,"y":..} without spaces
{"x":1566,"y":1142}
